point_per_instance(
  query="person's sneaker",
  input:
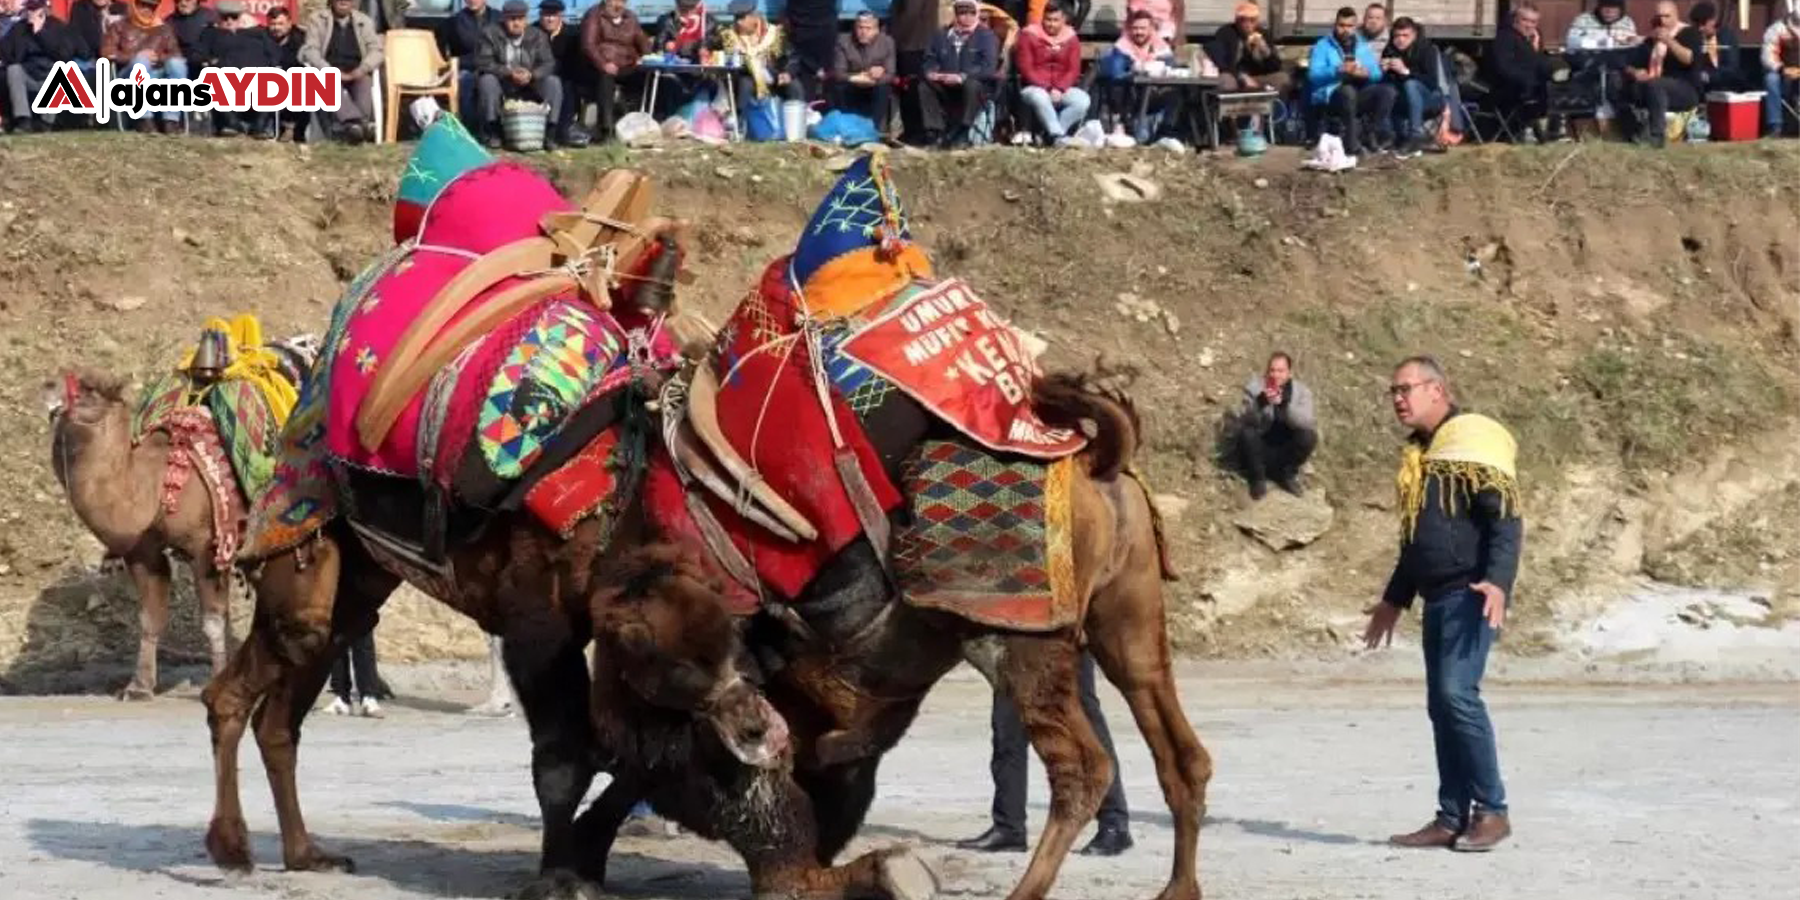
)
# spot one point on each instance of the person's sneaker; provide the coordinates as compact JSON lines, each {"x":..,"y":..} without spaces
{"x":370,"y":709}
{"x":1258,"y":489}
{"x":338,"y":707}
{"x":1410,"y":148}
{"x":1434,"y":834}
{"x":491,"y":140}
{"x":1108,"y":841}
{"x":1486,"y":831}
{"x":228,"y":131}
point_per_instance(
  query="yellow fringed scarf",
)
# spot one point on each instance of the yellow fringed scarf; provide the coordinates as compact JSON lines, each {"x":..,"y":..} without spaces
{"x":252,"y":362}
{"x":1470,"y":453}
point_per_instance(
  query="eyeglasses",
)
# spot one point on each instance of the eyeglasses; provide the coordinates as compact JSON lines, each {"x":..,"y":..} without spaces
{"x":1404,"y":388}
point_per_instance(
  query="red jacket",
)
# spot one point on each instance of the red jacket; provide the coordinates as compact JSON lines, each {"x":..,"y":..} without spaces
{"x":1053,"y":68}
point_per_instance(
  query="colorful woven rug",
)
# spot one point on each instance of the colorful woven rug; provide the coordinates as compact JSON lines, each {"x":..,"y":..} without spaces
{"x":990,"y":538}
{"x":249,"y":430}
{"x":194,"y":446}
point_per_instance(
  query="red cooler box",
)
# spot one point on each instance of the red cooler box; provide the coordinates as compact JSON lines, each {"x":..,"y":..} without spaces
{"x":1733,"y":115}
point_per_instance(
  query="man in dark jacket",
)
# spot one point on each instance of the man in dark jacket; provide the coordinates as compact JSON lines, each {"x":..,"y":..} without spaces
{"x":862,"y":72}
{"x":459,"y":36}
{"x":1245,"y":54}
{"x":234,"y":42}
{"x":189,"y":21}
{"x":571,"y":68}
{"x":913,"y":24}
{"x":288,"y":41}
{"x":1413,"y":69}
{"x":1517,"y":69}
{"x":961,"y":67}
{"x":1667,"y":73}
{"x":1460,"y":542}
{"x":515,"y":63}
{"x":31,"y":48}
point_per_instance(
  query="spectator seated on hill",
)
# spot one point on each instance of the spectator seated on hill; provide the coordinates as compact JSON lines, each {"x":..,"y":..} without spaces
{"x":515,"y":63}
{"x":343,"y":36}
{"x":142,"y":38}
{"x":288,"y":42}
{"x":1245,"y":54}
{"x":1719,"y":42}
{"x":1518,"y":71}
{"x":612,"y":42}
{"x":30,"y":49}
{"x":1170,"y":17}
{"x":769,"y":66}
{"x":960,"y":71}
{"x":862,"y":71}
{"x":1605,"y":27}
{"x":90,"y":19}
{"x":189,"y":21}
{"x":1374,"y":28}
{"x":1667,"y":73}
{"x":1137,"y":50}
{"x":235,"y":41}
{"x":1049,"y":64}
{"x":1344,"y":80}
{"x":459,"y":37}
{"x":571,"y":69}
{"x":1276,"y":429}
{"x":1781,"y":68}
{"x":682,"y":30}
{"x":1413,"y":70}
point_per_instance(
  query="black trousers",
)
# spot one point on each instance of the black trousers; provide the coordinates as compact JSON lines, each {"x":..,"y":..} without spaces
{"x":1353,"y":105}
{"x":360,"y":656}
{"x":935,"y":99}
{"x":1657,"y":98}
{"x":873,"y":101}
{"x":1011,"y":746}
{"x":1276,"y":452}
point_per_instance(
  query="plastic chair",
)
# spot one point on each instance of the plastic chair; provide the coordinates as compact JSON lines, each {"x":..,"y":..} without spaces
{"x":413,"y":67}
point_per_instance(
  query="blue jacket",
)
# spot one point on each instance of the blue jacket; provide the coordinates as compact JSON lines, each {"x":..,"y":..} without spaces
{"x":1322,"y":74}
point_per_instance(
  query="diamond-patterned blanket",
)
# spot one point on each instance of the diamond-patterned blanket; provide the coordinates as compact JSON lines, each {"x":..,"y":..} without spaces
{"x":990,"y":537}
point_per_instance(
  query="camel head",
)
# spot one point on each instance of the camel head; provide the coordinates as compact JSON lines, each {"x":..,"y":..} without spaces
{"x":663,"y":635}
{"x":84,"y":397}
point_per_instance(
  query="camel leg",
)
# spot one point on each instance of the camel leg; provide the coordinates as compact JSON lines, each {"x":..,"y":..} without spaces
{"x":214,"y":591}
{"x":841,"y":796}
{"x":150,"y":574}
{"x":550,"y":673}
{"x":597,"y":828}
{"x":1039,"y":672}
{"x":1127,"y":639}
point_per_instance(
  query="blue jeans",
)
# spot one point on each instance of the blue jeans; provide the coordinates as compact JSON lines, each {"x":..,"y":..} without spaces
{"x":1457,"y":638}
{"x":1774,"y":88}
{"x":173,"y":67}
{"x":1417,"y":101}
{"x":1057,"y":122}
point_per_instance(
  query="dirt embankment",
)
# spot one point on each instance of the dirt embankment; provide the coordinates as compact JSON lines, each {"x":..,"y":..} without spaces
{"x":1631,"y":315}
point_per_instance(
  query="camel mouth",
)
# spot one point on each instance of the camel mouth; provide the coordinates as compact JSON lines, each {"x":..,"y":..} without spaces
{"x":58,"y":397}
{"x":756,"y":735}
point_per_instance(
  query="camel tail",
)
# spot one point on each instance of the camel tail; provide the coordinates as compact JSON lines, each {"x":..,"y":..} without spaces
{"x":1104,"y":413}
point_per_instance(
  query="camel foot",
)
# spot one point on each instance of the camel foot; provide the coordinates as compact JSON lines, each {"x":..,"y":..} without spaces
{"x":228,"y":843}
{"x":1180,"y":892}
{"x":136,"y":693}
{"x":558,"y":884}
{"x":906,"y":877}
{"x":316,"y":860}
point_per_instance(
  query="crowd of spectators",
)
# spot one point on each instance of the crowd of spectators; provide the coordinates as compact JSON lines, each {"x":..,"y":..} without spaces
{"x":994,"y":72}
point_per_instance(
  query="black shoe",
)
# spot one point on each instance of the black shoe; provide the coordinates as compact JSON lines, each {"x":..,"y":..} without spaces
{"x":573,"y":137}
{"x":1110,"y":840}
{"x":996,"y":840}
{"x":1413,"y":146}
{"x":350,"y":134}
{"x":1291,"y":484}
{"x":491,"y":140}
{"x":1258,"y":489}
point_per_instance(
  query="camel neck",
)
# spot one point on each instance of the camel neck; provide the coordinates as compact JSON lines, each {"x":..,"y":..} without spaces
{"x":112,"y":486}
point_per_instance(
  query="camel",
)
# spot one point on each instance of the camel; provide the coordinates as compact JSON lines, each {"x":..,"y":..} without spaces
{"x":115,"y":489}
{"x":851,"y":679}
{"x":674,"y":748}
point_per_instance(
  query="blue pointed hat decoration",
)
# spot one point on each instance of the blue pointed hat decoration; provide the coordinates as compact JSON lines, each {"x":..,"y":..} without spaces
{"x":857,"y":248}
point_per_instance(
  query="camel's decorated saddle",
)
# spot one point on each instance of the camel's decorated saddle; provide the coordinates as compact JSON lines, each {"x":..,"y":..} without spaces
{"x":222,"y":408}
{"x":853,"y":393}
{"x":482,"y":364}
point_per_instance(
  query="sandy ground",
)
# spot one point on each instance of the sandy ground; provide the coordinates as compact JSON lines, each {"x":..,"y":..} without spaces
{"x":1642,"y":792}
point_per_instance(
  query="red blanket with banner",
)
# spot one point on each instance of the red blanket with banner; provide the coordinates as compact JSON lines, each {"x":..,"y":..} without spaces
{"x":948,"y":350}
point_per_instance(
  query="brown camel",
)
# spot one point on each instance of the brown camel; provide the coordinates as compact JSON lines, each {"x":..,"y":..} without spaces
{"x":115,"y":489}
{"x":851,"y":680}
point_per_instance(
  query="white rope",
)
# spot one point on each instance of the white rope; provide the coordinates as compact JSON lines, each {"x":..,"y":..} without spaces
{"x":450,"y":251}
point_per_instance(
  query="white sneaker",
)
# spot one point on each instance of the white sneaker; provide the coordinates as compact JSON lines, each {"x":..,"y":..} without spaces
{"x":370,"y":708}
{"x":338,"y":707}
